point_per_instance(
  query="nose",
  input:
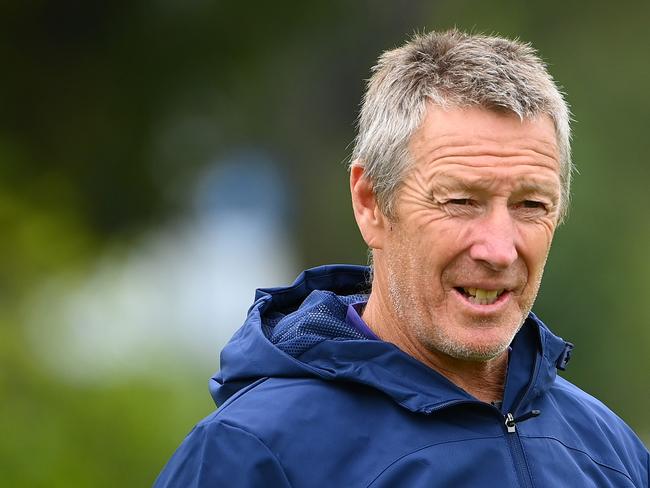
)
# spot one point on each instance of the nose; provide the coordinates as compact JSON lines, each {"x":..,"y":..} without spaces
{"x":494,"y":239}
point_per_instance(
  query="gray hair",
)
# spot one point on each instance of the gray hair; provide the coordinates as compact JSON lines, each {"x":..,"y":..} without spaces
{"x":451,"y":69}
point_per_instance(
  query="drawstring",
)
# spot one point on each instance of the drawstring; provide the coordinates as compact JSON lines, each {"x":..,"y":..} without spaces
{"x":511,"y":421}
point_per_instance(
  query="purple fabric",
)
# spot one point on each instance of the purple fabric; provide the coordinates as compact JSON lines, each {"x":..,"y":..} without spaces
{"x":353,"y":319}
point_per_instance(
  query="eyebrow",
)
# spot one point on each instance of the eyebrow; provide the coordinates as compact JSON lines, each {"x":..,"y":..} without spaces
{"x":446,"y":183}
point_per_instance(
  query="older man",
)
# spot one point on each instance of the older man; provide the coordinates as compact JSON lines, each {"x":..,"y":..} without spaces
{"x":440,"y":375}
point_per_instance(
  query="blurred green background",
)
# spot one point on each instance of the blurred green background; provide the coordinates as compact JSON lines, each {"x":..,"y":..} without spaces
{"x":159,"y":160}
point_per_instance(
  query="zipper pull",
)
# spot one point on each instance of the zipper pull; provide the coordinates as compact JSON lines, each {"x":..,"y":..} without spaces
{"x":511,"y":421}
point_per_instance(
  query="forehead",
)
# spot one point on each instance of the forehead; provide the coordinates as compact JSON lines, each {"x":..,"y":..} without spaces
{"x":481,"y":145}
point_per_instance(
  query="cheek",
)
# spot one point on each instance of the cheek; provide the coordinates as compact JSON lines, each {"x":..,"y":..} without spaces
{"x":535,"y":246}
{"x":413,"y":258}
{"x":439,"y":234}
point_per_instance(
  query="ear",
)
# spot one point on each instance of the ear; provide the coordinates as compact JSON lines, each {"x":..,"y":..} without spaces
{"x":370,"y":219}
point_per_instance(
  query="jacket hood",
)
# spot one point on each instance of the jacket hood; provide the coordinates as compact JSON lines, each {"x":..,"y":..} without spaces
{"x":300,"y":332}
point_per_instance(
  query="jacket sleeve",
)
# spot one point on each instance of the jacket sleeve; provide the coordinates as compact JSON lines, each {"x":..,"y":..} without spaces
{"x":218,"y":454}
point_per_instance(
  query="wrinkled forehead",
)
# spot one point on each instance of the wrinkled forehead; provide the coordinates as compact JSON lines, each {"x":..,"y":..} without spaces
{"x":481,"y":150}
{"x":472,"y":117}
{"x":475,"y":131}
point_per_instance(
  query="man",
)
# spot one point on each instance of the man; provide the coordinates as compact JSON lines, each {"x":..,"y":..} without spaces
{"x":441,"y":375}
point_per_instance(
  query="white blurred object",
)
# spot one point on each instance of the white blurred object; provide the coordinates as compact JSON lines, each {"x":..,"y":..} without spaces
{"x":177,"y":295}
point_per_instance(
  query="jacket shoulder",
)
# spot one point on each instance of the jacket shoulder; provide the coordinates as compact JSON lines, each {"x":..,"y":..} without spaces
{"x":293,"y":404}
{"x":574,"y":399}
{"x":211,"y":455}
{"x":314,"y":426}
{"x":584,"y":425}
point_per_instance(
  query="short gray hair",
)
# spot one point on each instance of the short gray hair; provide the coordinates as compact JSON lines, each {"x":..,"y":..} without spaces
{"x":451,"y":69}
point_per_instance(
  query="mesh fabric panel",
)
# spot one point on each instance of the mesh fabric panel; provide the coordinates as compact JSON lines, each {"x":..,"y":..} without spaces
{"x":320,"y":317}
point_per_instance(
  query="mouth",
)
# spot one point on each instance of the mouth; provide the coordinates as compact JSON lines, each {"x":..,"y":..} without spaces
{"x":481,"y":296}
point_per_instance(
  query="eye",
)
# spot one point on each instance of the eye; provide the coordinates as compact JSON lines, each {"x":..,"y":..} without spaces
{"x":532,"y":208}
{"x":532,"y":204}
{"x":460,"y":201}
{"x":461,"y":207}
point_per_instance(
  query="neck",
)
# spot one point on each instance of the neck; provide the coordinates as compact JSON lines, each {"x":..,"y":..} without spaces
{"x":483,"y":379}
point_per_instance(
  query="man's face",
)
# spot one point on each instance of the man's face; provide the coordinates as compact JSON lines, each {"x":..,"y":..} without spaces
{"x":474,"y":222}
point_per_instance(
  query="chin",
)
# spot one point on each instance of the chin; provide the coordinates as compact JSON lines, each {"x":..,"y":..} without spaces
{"x":473,"y":352}
{"x":478,"y":354}
{"x":470,"y":349}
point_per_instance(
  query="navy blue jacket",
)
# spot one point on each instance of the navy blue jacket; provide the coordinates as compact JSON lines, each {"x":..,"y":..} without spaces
{"x":305,"y":401}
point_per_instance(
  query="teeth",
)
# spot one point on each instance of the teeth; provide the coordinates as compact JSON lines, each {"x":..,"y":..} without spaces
{"x":482,"y":296}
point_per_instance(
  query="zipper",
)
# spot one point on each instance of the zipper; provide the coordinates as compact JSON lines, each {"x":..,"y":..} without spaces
{"x":517,"y":450}
{"x":512,"y":436}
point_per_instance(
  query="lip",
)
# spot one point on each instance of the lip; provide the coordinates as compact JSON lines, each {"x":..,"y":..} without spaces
{"x":487,"y":286}
{"x":500,"y":304}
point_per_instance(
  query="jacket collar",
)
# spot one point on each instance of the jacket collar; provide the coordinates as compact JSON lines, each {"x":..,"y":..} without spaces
{"x":535,"y":355}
